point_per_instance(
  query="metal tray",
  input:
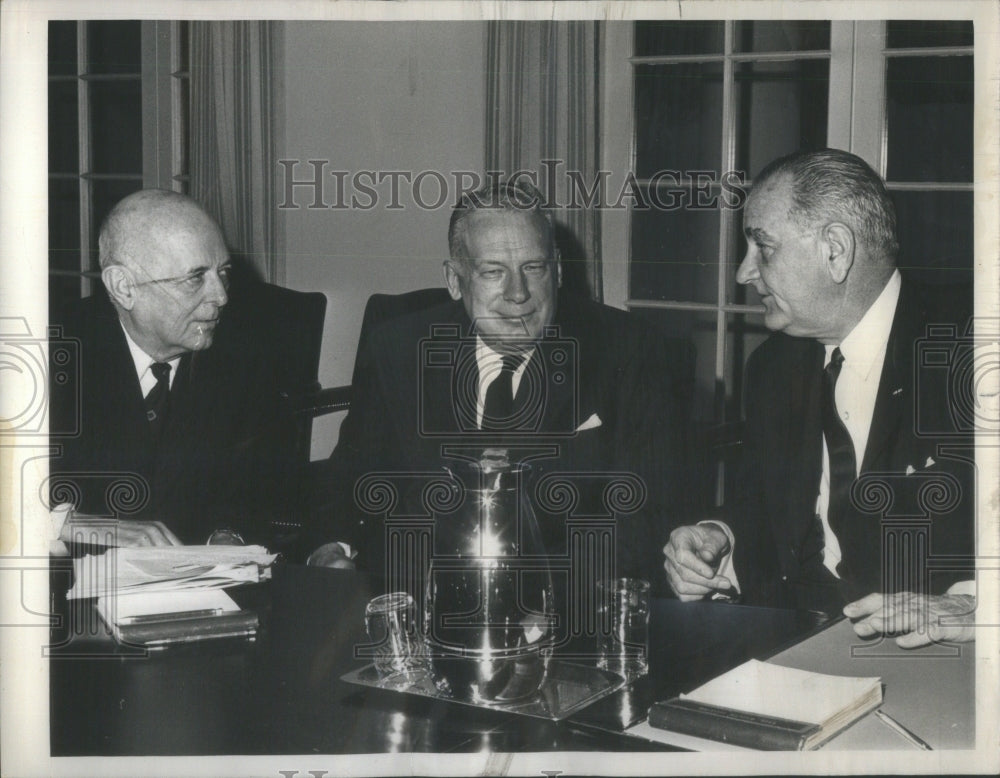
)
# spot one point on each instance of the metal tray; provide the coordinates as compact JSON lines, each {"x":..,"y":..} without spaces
{"x":567,"y":689}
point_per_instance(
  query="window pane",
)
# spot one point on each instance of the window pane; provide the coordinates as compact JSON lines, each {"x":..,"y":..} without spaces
{"x":905,"y":35}
{"x":104,"y":196}
{"x":64,"y":241}
{"x":678,"y":117}
{"x":181,"y":109}
{"x":62,"y":48}
{"x":697,"y":327}
{"x":653,"y":38}
{"x":781,"y":108}
{"x":744,"y":333}
{"x":929,"y":114}
{"x":675,"y":253}
{"x":935,"y":236}
{"x":183,"y":48}
{"x":781,"y":36}
{"x":116,"y":126}
{"x":64,"y":224}
{"x":63,"y":124}
{"x":114,"y":47}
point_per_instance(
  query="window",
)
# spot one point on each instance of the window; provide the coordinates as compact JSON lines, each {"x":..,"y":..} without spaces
{"x":927,"y":148}
{"x":117,"y":123}
{"x":694,"y":108}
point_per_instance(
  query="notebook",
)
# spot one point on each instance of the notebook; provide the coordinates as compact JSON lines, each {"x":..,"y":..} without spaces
{"x":157,"y":619}
{"x":768,"y":707}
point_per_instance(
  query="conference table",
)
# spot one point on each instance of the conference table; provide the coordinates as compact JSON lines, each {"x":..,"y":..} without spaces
{"x":282,"y":693}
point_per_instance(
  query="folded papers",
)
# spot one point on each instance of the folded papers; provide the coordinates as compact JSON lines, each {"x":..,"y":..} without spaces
{"x":168,"y":569}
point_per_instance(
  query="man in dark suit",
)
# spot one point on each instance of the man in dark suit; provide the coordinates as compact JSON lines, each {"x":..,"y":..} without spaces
{"x":170,"y":430}
{"x":586,"y":390}
{"x":857,"y":486}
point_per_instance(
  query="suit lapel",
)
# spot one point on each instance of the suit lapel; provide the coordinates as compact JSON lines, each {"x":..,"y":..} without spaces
{"x":895,"y":382}
{"x":804,"y":434}
{"x":449,"y":391}
{"x":126,"y":427}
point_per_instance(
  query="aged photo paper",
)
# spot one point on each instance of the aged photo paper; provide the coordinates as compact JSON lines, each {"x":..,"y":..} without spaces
{"x":364,"y":230}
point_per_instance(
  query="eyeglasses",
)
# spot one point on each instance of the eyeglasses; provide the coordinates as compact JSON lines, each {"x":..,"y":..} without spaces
{"x":192,"y":282}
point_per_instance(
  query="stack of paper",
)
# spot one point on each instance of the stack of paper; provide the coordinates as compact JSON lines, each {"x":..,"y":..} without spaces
{"x":159,"y":596}
{"x":168,"y":568}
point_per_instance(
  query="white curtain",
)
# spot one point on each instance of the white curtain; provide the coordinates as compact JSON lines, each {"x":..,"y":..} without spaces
{"x":232,"y":138}
{"x":542,"y":104}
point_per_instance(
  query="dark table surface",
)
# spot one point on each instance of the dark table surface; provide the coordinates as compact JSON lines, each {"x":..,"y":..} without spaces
{"x":282,"y":693}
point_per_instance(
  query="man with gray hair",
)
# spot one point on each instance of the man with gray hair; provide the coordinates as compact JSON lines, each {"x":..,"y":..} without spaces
{"x":511,"y":360}
{"x":841,"y":411}
{"x":170,"y":433}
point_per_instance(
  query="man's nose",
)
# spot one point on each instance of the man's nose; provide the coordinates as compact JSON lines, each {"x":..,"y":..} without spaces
{"x":517,"y":288}
{"x":215,"y":289}
{"x":747,"y":271}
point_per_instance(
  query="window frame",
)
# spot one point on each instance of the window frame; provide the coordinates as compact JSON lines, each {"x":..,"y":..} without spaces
{"x":856,"y":121}
{"x":164,"y":130}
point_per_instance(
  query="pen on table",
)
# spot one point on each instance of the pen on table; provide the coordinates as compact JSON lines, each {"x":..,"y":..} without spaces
{"x":899,"y":729}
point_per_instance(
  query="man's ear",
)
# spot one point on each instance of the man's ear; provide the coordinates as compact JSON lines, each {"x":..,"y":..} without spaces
{"x":453,"y":274}
{"x":839,"y":239}
{"x":119,"y":283}
{"x":558,"y":261}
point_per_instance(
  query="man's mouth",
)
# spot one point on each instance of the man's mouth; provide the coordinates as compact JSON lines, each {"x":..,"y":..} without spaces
{"x":518,"y":317}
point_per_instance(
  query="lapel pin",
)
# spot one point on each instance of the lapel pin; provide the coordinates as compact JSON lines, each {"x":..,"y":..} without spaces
{"x":897,"y":391}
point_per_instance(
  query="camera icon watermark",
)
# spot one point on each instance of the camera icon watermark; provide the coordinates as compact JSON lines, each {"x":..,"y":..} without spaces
{"x":449,"y":385}
{"x":958,"y":370}
{"x":35,"y":370}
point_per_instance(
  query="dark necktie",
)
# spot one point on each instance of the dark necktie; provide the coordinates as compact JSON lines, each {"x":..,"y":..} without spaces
{"x":156,"y":400}
{"x":843,"y":470}
{"x":498,"y":407}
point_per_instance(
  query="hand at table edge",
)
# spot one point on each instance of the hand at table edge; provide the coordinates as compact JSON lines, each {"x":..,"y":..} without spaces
{"x":915,"y":619}
{"x":126,"y":533}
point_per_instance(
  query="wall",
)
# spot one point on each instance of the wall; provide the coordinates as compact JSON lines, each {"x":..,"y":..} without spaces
{"x":374,"y":96}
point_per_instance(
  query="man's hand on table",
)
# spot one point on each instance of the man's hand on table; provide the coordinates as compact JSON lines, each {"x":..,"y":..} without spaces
{"x":124,"y":534}
{"x":331,"y":555}
{"x":693,"y":556}
{"x":916,"y":619}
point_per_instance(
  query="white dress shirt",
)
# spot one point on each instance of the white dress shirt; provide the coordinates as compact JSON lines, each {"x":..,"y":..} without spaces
{"x":857,"y":387}
{"x":143,"y":364}
{"x":489,"y":363}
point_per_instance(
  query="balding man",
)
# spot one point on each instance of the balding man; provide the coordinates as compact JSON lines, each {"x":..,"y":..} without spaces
{"x":170,"y":430}
{"x":857,"y":490}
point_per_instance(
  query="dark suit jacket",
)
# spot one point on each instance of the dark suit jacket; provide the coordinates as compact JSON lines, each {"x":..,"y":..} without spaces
{"x":414,"y":395}
{"x":905,"y":531}
{"x":215,"y":464}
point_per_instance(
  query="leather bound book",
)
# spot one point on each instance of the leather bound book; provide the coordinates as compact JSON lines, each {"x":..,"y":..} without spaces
{"x":769,"y":707}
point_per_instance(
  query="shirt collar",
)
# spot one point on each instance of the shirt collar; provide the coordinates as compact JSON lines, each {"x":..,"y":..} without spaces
{"x":142,"y":360}
{"x":487,"y":357}
{"x":867,"y":341}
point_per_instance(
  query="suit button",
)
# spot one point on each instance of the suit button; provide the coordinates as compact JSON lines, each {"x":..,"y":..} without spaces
{"x":784,"y":578}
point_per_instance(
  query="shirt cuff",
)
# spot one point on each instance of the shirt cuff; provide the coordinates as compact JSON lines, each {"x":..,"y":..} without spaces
{"x":726,"y":567}
{"x":963,"y":587}
{"x":346,"y":547}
